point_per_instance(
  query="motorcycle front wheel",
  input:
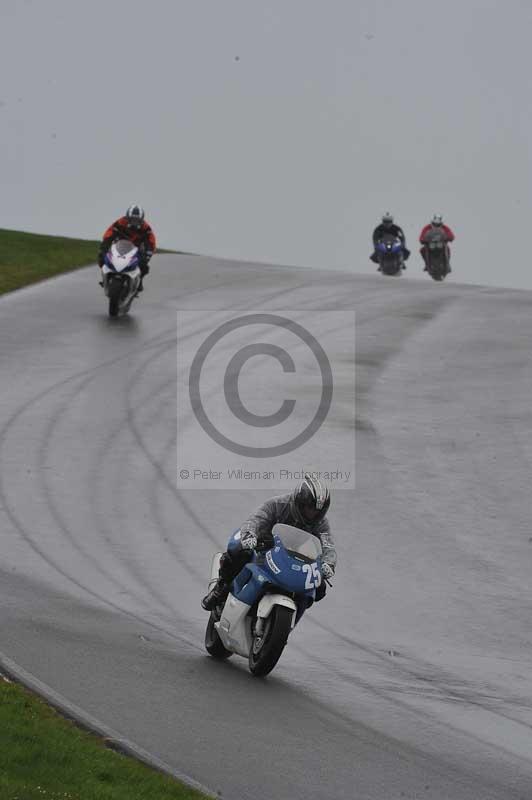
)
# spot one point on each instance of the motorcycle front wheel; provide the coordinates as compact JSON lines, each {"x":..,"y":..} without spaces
{"x":114,"y":303}
{"x":266,"y":649}
{"x":391,"y":268}
{"x":115,"y":293}
{"x":437,"y":269}
{"x":213,"y":643}
{"x":437,"y":273}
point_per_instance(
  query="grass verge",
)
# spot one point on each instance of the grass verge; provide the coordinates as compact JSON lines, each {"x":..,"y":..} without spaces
{"x":30,"y":257}
{"x":46,"y":757}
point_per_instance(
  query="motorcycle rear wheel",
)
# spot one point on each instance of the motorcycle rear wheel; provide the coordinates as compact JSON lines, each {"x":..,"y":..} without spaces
{"x":266,"y":650}
{"x":213,"y":643}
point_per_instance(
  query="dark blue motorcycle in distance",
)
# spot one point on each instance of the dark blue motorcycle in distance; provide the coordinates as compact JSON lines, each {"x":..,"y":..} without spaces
{"x":390,"y":254}
{"x":267,"y":599}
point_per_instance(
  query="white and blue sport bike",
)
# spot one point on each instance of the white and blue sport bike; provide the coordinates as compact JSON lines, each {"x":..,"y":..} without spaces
{"x":266,"y":600}
{"x":121,"y":276}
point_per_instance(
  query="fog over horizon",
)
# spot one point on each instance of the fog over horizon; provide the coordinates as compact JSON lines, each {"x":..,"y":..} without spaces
{"x":276,"y":132}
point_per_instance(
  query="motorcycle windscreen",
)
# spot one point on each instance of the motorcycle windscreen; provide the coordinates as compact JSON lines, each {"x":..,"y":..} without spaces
{"x":390,"y":240}
{"x":434,"y":238}
{"x":298,"y":541}
{"x":124,"y":246}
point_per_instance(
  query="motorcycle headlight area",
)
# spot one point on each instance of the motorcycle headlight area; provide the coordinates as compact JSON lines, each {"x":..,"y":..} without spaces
{"x":120,"y":271}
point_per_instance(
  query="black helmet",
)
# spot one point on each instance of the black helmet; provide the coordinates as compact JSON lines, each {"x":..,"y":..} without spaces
{"x":310,"y":500}
{"x":387,"y":219}
{"x":135,"y":216}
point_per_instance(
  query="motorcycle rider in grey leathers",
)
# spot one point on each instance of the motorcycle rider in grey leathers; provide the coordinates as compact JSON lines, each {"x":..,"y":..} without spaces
{"x":305,"y":508}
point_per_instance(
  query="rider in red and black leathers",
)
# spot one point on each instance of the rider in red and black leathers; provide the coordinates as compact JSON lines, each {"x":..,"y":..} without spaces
{"x":134,"y":227}
{"x":436,"y":224}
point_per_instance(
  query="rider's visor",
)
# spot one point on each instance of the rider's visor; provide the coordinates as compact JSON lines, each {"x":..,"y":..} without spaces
{"x":310,"y":512}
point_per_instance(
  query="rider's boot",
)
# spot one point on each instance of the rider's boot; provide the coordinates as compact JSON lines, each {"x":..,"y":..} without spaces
{"x":216,"y":596}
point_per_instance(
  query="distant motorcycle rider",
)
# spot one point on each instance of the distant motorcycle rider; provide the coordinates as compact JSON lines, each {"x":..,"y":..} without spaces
{"x":388,"y":226}
{"x":305,"y":508}
{"x":134,"y":227}
{"x":436,"y":224}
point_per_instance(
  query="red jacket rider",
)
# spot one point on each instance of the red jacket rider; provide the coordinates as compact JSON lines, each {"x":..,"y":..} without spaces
{"x":131,"y":226}
{"x":436,"y":223}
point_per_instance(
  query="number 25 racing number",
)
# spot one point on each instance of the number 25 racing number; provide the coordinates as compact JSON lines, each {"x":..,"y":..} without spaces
{"x":313,"y":579}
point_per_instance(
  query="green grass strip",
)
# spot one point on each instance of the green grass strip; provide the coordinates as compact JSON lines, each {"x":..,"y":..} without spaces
{"x":29,"y":257}
{"x":43,"y":756}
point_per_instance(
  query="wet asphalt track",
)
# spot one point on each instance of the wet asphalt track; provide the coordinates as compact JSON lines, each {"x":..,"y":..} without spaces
{"x":413,"y":680}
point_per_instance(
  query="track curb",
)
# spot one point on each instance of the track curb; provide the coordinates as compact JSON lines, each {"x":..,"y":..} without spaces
{"x":13,"y":671}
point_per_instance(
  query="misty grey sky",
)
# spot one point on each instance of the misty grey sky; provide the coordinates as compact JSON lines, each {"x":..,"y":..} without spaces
{"x":273,"y":130}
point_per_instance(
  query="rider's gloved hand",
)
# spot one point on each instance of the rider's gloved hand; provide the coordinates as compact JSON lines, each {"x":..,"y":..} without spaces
{"x":248,"y":541}
{"x":327,"y":571}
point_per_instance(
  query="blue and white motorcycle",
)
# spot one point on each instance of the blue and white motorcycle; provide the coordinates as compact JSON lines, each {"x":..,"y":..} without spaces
{"x":390,"y":254}
{"x":267,"y":599}
{"x":121,"y":276}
